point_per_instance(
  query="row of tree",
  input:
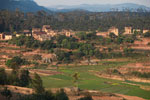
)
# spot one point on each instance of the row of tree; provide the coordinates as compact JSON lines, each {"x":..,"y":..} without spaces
{"x":11,"y":21}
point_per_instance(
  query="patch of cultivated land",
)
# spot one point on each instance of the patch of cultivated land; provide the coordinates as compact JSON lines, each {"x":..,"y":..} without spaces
{"x":88,"y":80}
{"x":62,"y":77}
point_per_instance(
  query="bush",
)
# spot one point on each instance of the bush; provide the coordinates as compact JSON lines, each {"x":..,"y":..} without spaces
{"x":15,"y":62}
{"x":87,"y":97}
{"x":61,"y":95}
{"x":3,"y":77}
{"x":142,"y":75}
{"x":147,"y":34}
{"x":37,"y":57}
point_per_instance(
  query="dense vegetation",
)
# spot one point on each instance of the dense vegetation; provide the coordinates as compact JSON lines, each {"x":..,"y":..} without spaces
{"x":24,"y":80}
{"x":70,"y":49}
{"x":141,"y":75}
{"x":76,"y":20}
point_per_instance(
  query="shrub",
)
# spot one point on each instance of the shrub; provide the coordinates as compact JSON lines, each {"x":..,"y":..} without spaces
{"x":142,"y":75}
{"x":86,"y":97}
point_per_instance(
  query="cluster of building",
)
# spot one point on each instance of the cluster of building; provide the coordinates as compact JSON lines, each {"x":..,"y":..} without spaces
{"x":9,"y":35}
{"x":127,"y":31}
{"x":5,"y":36}
{"x":46,"y":33}
{"x":41,"y":34}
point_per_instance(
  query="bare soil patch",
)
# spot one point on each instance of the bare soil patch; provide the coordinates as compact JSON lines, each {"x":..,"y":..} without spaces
{"x":44,"y":72}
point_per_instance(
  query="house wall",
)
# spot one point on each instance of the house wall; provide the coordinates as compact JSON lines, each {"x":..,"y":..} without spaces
{"x":145,"y":31}
{"x":17,"y":35}
{"x":114,"y":30}
{"x":8,"y":37}
{"x":104,"y":34}
{"x":128,"y":30}
{"x":1,"y":36}
{"x":136,"y":30}
{"x":36,"y":30}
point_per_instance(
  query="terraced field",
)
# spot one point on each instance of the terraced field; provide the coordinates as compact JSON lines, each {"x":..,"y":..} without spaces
{"x":88,"y":80}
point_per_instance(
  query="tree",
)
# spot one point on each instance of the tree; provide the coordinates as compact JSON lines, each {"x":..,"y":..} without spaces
{"x":13,"y":78}
{"x":37,"y":57}
{"x":147,"y":34}
{"x":47,"y":95}
{"x":37,"y":84}
{"x":15,"y":62}
{"x":75,"y":78}
{"x":65,"y":43}
{"x":63,"y":56}
{"x":86,"y":97}
{"x":112,"y":35}
{"x":119,"y":40}
{"x":3,"y":77}
{"x":128,"y":51}
{"x":24,"y":78}
{"x":7,"y":93}
{"x":61,"y":95}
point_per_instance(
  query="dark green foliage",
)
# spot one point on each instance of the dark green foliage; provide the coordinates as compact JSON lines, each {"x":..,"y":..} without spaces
{"x":17,"y":78}
{"x":128,"y":51}
{"x":99,"y":55}
{"x":129,"y":40}
{"x":47,"y":95}
{"x":16,"y":62}
{"x":30,"y":42}
{"x":77,"y":21}
{"x":147,"y":34}
{"x":77,"y":55}
{"x":13,"y":78}
{"x":7,"y":93}
{"x":115,"y":71}
{"x":87,"y":36}
{"x":37,"y":57}
{"x":24,"y":78}
{"x":27,"y":41}
{"x":61,"y":95}
{"x":37,"y":84}
{"x":119,"y":40}
{"x":47,"y":45}
{"x":86,"y":49}
{"x":3,"y":77}
{"x":112,"y":35}
{"x":82,"y":35}
{"x":66,"y":42}
{"x":86,"y":97}
{"x":142,"y":75}
{"x":75,"y":77}
{"x":63,"y":56}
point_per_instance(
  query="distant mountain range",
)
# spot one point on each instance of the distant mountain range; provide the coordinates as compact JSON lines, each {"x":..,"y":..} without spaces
{"x":23,"y":5}
{"x":100,"y":8}
{"x":32,"y":6}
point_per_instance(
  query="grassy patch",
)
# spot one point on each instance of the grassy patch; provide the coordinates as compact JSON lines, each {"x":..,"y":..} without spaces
{"x":88,"y":80}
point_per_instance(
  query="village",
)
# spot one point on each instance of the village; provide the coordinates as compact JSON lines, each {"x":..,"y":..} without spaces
{"x":46,"y":33}
{"x":123,"y":65}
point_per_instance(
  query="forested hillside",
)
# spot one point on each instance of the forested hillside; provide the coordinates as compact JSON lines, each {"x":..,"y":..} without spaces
{"x":23,"y":5}
{"x":75,"y":20}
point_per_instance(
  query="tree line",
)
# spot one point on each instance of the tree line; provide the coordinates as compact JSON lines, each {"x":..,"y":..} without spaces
{"x":23,"y":78}
{"x":11,"y":21}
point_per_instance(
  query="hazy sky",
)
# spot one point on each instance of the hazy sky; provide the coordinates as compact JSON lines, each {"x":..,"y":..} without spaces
{"x":77,"y":2}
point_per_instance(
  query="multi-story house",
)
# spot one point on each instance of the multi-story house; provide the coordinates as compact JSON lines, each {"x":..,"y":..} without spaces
{"x":41,"y":36}
{"x":2,"y":37}
{"x":128,"y":30}
{"x":145,"y":31}
{"x":114,"y":30}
